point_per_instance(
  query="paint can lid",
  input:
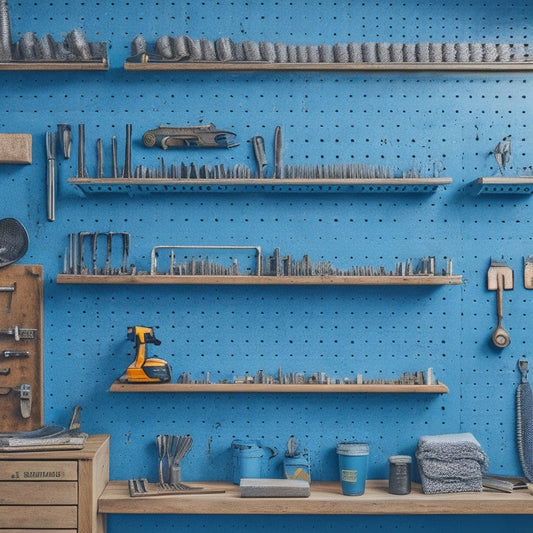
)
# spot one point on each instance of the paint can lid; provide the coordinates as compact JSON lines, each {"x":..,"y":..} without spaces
{"x":353,"y":448}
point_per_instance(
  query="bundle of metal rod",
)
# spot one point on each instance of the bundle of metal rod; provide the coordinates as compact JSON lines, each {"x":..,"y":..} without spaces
{"x":276,"y":265}
{"x":85,"y":241}
{"x":337,"y":171}
{"x":183,"y":48}
{"x":202,"y":265}
{"x":183,"y":171}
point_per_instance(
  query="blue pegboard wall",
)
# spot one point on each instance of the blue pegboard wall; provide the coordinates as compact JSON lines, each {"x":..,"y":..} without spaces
{"x":447,"y":120}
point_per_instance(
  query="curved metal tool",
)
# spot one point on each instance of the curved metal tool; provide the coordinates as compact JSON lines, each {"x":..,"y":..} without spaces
{"x":500,"y":278}
{"x":500,"y":337}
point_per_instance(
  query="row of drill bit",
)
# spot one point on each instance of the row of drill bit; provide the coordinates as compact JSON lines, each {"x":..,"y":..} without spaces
{"x":315,"y":378}
{"x":277,"y":265}
{"x":224,"y":49}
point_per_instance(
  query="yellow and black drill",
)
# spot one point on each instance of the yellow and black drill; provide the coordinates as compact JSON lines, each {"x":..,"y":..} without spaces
{"x":146,"y":369}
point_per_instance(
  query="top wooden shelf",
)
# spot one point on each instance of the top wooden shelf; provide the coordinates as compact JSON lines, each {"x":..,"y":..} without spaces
{"x":143,"y":185}
{"x":54,"y":65}
{"x":326,"y":499}
{"x":221,"y":66}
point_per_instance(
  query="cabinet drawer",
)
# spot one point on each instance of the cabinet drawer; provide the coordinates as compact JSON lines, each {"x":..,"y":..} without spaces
{"x":39,"y":471}
{"x":39,"y":517}
{"x":38,"y":493}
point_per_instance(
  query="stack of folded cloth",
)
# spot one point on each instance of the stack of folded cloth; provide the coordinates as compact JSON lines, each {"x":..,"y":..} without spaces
{"x":451,"y":463}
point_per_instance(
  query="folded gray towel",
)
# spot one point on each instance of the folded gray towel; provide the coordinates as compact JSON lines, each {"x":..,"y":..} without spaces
{"x":451,"y":463}
{"x":452,"y":446}
{"x":462,"y":469}
{"x":441,"y":486}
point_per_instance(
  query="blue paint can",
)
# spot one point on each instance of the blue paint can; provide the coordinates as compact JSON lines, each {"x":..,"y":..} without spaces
{"x":297,"y":467}
{"x":247,"y":458}
{"x":353,"y":464}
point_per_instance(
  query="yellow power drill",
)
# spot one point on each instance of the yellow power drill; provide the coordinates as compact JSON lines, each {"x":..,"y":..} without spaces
{"x":146,"y":369}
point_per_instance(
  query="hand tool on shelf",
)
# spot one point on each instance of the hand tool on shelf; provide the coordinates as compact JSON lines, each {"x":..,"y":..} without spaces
{"x":126,"y":171}
{"x":82,"y":171}
{"x":500,"y":278}
{"x":145,"y":369}
{"x":114,"y":156}
{"x":189,"y":136}
{"x":141,"y":487}
{"x":51,"y":175}
{"x":65,"y":139}
{"x":260,"y":155}
{"x":278,"y":154}
{"x":99,"y":159}
{"x":180,"y":446}
{"x":13,"y":241}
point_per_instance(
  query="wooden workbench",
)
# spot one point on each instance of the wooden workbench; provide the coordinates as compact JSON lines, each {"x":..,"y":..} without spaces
{"x":326,"y":498}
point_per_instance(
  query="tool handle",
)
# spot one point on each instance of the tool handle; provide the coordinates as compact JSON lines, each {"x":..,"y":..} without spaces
{"x":50,"y":190}
{"x":499,"y":298}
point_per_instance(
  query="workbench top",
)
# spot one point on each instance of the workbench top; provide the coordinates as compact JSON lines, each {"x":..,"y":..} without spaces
{"x":326,"y":498}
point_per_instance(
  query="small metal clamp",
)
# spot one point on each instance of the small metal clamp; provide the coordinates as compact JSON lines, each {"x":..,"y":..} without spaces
{"x":24,"y":391}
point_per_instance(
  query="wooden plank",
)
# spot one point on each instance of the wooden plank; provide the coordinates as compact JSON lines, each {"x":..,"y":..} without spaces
{"x":351,"y":67}
{"x":277,"y":388}
{"x":161,"y":279}
{"x":326,"y":498}
{"x":16,"y":148}
{"x":41,"y":516}
{"x":23,"y":471}
{"x":23,"y":308}
{"x":94,"y":476}
{"x":39,"y":493}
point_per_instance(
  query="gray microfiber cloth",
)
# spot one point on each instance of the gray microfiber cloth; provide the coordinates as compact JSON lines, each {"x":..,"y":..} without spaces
{"x":451,"y":463}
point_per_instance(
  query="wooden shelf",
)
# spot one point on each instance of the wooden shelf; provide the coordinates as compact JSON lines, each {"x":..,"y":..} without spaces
{"x":55,"y":65}
{"x":161,"y":279}
{"x":340,"y":67}
{"x":326,"y":499}
{"x":503,"y":185}
{"x":277,"y":388}
{"x":137,"y":185}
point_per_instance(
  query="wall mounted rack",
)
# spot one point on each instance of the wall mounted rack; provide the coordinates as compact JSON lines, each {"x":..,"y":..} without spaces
{"x":28,"y":66}
{"x":248,"y":66}
{"x":117,"y":386}
{"x":503,"y":185}
{"x":134,"y":186}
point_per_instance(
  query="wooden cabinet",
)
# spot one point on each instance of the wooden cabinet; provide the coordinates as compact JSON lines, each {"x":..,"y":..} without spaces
{"x":54,"y":490}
